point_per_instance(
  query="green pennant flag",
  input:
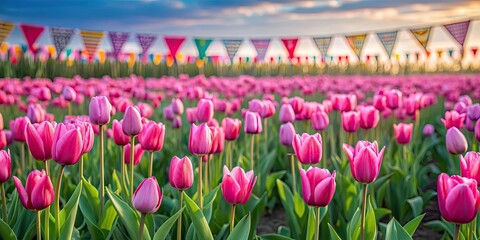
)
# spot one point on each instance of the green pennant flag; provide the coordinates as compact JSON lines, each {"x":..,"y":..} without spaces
{"x":202,"y":46}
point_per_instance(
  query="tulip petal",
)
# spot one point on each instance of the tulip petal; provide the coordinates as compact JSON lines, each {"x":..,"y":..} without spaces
{"x":460,"y":204}
{"x":230,"y":189}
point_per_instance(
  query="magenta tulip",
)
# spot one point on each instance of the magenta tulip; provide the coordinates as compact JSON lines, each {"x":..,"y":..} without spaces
{"x":152,"y":136}
{"x":191,"y":115}
{"x":177,"y":106}
{"x":181,"y":173}
{"x":473,"y":112}
{"x":253,"y":123}
{"x":320,"y":120}
{"x":118,"y":136}
{"x":137,"y":155}
{"x":318,"y":186}
{"x":369,"y":117}
{"x":38,"y":193}
{"x":231,"y":127}
{"x":36,"y":113}
{"x":5,"y":166}
{"x":205,"y":110}
{"x":403,"y":132}
{"x":456,"y":141}
{"x":17,"y":127}
{"x":350,"y":121}
{"x":39,"y":138}
{"x":453,"y":119}
{"x":200,"y":139}
{"x":237,"y":185}
{"x":99,"y":110}
{"x":287,"y":132}
{"x":218,"y":140}
{"x":428,"y":130}
{"x":69,"y":93}
{"x":67,"y":144}
{"x":297,"y":104}
{"x":132,"y":122}
{"x":394,"y":99}
{"x":308,"y":148}
{"x":148,"y":196}
{"x":365,"y":160}
{"x":470,"y":165}
{"x":286,"y":113}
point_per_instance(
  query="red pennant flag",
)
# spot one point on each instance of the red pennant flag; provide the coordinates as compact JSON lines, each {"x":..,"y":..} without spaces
{"x":173,"y":44}
{"x":290,"y":44}
{"x":474,"y":51}
{"x":31,"y":33}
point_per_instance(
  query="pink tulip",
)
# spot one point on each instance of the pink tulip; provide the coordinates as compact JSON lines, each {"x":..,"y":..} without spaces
{"x":318,"y":186}
{"x":231,"y":127}
{"x":218,"y":140}
{"x":473,"y":112}
{"x":69,"y":93}
{"x":205,"y":110}
{"x":177,"y":122}
{"x":5,"y":166}
{"x":99,"y":110}
{"x":152,"y":136}
{"x":36,"y":113}
{"x":365,"y":160}
{"x":137,"y":154}
{"x":8,"y":136}
{"x":38,"y":193}
{"x":86,"y":130}
{"x":200,"y":140}
{"x":181,"y":173}
{"x":380,"y":102}
{"x":403,"y":132}
{"x":350,"y":121}
{"x":458,"y":198}
{"x":132,"y":122}
{"x":177,"y":106}
{"x":347,"y":103}
{"x":39,"y":138}
{"x":3,"y":139}
{"x":148,"y":196}
{"x":456,"y":141}
{"x":145,"y":109}
{"x":308,"y":148}
{"x":286,"y":113}
{"x":118,"y":136}
{"x":17,"y":127}
{"x":297,"y":104}
{"x":191,"y":115}
{"x":67,"y":144}
{"x":470,"y":165}
{"x":256,"y":105}
{"x":237,"y":185}
{"x":453,"y":119}
{"x":369,"y":117}
{"x":428,"y":130}
{"x":477,"y":130}
{"x":394,"y":99}
{"x":253,"y":123}
{"x":287,"y":132}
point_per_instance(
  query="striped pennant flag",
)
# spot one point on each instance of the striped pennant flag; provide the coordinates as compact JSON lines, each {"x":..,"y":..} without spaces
{"x":91,"y":41}
{"x":5,"y":30}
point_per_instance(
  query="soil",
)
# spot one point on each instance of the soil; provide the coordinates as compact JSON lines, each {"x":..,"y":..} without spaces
{"x":270,"y":222}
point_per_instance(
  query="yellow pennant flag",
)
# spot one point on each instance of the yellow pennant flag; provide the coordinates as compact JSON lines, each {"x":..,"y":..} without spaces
{"x":5,"y":30}
{"x":356,"y":43}
{"x":91,"y":41}
{"x":422,"y":35}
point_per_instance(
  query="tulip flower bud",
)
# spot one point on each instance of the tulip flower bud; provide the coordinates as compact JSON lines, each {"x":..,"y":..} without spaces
{"x":403,"y":132}
{"x":237,"y":185}
{"x":369,"y":117}
{"x":200,"y":139}
{"x":3,"y":139}
{"x":177,"y":106}
{"x":470,"y":165}
{"x":17,"y":127}
{"x":428,"y":130}
{"x":297,"y":104}
{"x":320,"y":120}
{"x":318,"y":186}
{"x":365,"y":160}
{"x":394,"y":99}
{"x":205,"y":110}
{"x":118,"y":136}
{"x":177,"y":122}
{"x":456,"y":141}
{"x":453,"y":119}
{"x":308,"y":148}
{"x":287,"y":132}
{"x":148,"y":196}
{"x":137,"y":154}
{"x":152,"y":136}
{"x":132,"y":122}
{"x":181,"y":173}
{"x":350,"y":121}
{"x":286,"y":113}
{"x":99,"y":110}
{"x":5,"y":165}
{"x":36,"y":113}
{"x":38,"y":193}
{"x":231,"y":126}
{"x":67,"y":144}
{"x":69,"y":93}
{"x":253,"y":123}
{"x":191,"y":115}
{"x":218,"y":140}
{"x":39,"y":138}
{"x":473,"y":112}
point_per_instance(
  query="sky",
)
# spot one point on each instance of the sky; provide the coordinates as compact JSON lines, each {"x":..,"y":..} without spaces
{"x":252,"y":19}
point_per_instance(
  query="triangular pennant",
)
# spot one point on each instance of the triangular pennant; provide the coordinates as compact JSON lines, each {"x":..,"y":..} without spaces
{"x":118,"y":39}
{"x":388,"y":40}
{"x":232,"y":46}
{"x":173,"y":44}
{"x":202,"y":46}
{"x":356,"y":43}
{"x":31,"y":33}
{"x":323,"y":43}
{"x":5,"y":30}
{"x":261,"y":45}
{"x":422,"y":35}
{"x":145,"y":41}
{"x":61,"y":38}
{"x":290,"y":44}
{"x":91,"y":41}
{"x":458,"y":31}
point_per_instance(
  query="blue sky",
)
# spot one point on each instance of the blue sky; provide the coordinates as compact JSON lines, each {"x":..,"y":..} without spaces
{"x":248,"y":18}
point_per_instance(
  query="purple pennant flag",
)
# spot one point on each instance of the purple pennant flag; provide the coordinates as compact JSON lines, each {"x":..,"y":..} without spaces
{"x":146,"y":41}
{"x":117,"y":39}
{"x":458,"y":30}
{"x":61,"y":38}
{"x":261,"y":45}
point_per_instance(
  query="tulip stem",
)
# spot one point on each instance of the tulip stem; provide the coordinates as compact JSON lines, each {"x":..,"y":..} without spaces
{"x":150,"y":166}
{"x":206,"y":172}
{"x":229,"y":156}
{"x":122,"y":162}
{"x":132,"y":166}
{"x":57,"y":200}
{"x":232,"y":218}
{"x":457,"y":232}
{"x":102,"y":171}
{"x":350,"y":139}
{"x":47,"y":210}
{"x":317,"y":224}
{"x":179,"y":221}
{"x":251,"y":151}
{"x":39,"y":228}
{"x":364,"y":208}
{"x":199,"y":192}
{"x":142,"y":225}
{"x":22,"y":154}
{"x":265,"y":123}
{"x":81,"y":167}
{"x":4,"y":203}
{"x":292,"y":162}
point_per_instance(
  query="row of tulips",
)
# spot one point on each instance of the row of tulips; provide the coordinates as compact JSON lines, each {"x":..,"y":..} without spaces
{"x":100,"y":179}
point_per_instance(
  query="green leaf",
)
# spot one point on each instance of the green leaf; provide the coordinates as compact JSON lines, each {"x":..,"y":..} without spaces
{"x":274,"y":237}
{"x":89,"y":207}
{"x":69,"y":222}
{"x":441,"y":225}
{"x":311,"y":227}
{"x":333,"y":233}
{"x":199,"y":222}
{"x":416,"y":204}
{"x":6,"y":232}
{"x":299,"y":205}
{"x":395,"y":231}
{"x":109,"y":217}
{"x":354,"y":225}
{"x":242,"y":230}
{"x":163,"y":230}
{"x":412,"y":226}
{"x":287,"y":201}
{"x":381,"y":212}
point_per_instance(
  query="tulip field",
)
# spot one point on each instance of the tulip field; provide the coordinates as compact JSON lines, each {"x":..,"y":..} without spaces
{"x":195,"y":157}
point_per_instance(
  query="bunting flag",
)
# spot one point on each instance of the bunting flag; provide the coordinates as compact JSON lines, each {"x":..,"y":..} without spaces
{"x":118,"y":39}
{"x":202,"y":46}
{"x":422,"y":35}
{"x":290,"y":44}
{"x":388,"y":40}
{"x":5,"y":30}
{"x":356,"y":43}
{"x":91,"y":41}
{"x":146,"y":41}
{"x":323,"y":44}
{"x":458,"y":31}
{"x":232,"y":46}
{"x":61,"y":38}
{"x":31,"y":33}
{"x":173,"y":44}
{"x":261,"y":45}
